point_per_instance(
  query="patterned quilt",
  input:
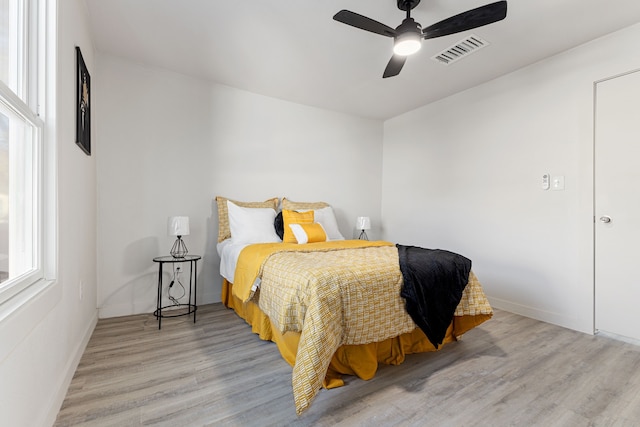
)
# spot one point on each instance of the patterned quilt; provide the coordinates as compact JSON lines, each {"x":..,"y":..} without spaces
{"x":333,"y":293}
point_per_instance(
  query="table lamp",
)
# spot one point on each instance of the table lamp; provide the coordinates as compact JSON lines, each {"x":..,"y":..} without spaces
{"x":178,"y":226}
{"x":363,"y":223}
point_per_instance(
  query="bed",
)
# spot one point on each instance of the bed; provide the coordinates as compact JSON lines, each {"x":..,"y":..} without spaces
{"x":331,"y":305}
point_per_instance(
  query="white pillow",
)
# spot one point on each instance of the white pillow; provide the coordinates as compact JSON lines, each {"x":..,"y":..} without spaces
{"x":251,"y":225}
{"x":327,"y":219}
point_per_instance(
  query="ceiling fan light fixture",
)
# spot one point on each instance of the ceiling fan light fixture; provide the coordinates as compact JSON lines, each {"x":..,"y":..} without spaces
{"x":407,"y":44}
{"x":408,"y":39}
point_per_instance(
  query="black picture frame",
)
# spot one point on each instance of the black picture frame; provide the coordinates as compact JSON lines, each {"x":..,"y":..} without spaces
{"x":83,"y":106}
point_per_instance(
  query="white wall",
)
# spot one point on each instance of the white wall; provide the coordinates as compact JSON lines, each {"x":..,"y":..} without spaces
{"x":465,"y":174}
{"x":44,"y":339}
{"x":168,"y":144}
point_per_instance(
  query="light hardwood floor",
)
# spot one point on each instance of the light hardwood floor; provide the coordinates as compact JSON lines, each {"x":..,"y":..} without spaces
{"x":511,"y":371}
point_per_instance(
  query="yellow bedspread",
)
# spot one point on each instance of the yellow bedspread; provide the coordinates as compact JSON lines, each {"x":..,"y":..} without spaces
{"x":333,"y":293}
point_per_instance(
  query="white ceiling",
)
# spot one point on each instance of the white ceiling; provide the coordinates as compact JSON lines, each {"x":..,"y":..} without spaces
{"x":294,"y":50}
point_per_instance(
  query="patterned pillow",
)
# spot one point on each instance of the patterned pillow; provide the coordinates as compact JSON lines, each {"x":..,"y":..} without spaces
{"x":297,"y":206}
{"x":224,"y":232}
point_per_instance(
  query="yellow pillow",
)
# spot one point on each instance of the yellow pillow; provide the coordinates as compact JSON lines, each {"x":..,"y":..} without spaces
{"x":309,"y":233}
{"x":293,"y":217}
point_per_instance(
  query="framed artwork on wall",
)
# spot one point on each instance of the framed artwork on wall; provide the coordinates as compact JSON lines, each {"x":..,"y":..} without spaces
{"x":83,"y":108}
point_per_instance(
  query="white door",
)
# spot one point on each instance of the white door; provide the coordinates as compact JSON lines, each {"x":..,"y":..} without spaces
{"x":617,"y":206}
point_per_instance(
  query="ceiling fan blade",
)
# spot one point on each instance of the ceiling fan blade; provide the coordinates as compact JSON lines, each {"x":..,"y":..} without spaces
{"x":468,"y":20}
{"x":394,"y":66}
{"x":364,"y":23}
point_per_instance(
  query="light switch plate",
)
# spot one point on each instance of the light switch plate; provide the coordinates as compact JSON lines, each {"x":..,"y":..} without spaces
{"x":546,"y":180}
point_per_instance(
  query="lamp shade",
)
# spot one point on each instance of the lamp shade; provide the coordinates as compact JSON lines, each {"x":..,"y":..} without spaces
{"x":363,"y":223}
{"x":178,"y":226}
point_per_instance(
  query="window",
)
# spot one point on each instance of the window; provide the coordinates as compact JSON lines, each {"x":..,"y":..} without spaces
{"x":21,"y":147}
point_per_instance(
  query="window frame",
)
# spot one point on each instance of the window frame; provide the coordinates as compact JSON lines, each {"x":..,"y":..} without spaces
{"x":37,"y":37}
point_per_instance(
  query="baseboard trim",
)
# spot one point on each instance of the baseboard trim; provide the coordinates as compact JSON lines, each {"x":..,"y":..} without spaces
{"x":69,"y":371}
{"x":617,"y":337}
{"x":554,"y":318}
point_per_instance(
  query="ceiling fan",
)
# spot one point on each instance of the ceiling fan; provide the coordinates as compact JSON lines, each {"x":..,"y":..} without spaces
{"x":408,"y":35}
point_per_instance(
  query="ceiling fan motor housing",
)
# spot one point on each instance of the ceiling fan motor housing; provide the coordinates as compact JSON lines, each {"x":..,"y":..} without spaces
{"x":409,"y":25}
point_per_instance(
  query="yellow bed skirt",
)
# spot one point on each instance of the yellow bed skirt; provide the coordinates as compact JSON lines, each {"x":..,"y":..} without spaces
{"x":360,"y":360}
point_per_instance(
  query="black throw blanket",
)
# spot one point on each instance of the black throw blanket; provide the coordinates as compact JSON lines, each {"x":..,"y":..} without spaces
{"x":433,"y":283}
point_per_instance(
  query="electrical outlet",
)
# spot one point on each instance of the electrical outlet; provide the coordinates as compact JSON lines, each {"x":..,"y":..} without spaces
{"x":557,"y":183}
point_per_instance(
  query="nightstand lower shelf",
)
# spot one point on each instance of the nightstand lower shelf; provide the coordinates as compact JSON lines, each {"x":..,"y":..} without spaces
{"x":183,"y":309}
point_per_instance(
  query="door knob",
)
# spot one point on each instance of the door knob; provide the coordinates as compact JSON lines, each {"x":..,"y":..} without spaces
{"x":606,"y":219}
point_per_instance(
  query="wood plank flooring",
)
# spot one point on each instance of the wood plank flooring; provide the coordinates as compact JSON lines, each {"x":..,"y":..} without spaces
{"x":511,"y":371}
